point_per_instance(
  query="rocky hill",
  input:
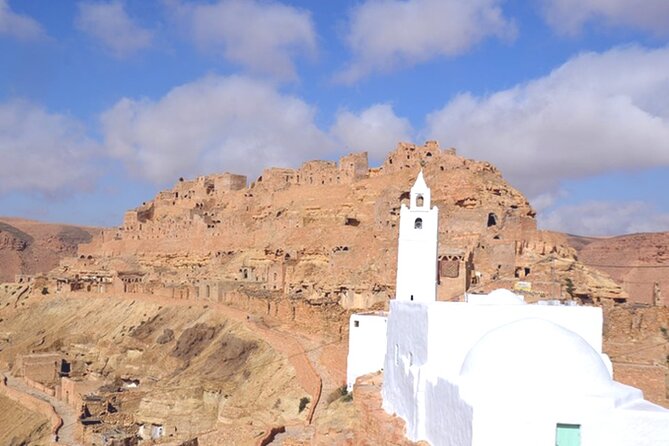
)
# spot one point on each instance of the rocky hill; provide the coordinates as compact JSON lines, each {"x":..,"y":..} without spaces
{"x":326,"y":234}
{"x":146,"y":315}
{"x":30,"y":247}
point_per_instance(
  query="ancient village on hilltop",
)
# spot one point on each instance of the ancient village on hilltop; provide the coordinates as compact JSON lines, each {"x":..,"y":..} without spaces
{"x":220,"y":308}
{"x":334,"y":223}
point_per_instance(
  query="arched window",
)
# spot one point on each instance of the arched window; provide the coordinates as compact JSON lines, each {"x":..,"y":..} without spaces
{"x":420,"y":201}
{"x":418,"y":224}
{"x":492,"y":219}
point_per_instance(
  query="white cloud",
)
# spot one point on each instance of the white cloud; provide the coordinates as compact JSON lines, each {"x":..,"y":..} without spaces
{"x":110,"y":25}
{"x":18,"y":26}
{"x":386,"y":34}
{"x":569,"y":16}
{"x":213,"y":124}
{"x":263,"y":36}
{"x":602,"y":218}
{"x":596,"y":113}
{"x":376,"y":130}
{"x":41,"y":151}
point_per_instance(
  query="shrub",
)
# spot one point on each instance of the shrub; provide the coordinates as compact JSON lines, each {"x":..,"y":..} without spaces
{"x":569,"y":286}
{"x":303,"y":403}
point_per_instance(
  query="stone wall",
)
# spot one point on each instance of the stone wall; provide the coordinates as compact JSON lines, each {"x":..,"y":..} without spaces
{"x":41,"y":367}
{"x":34,"y":404}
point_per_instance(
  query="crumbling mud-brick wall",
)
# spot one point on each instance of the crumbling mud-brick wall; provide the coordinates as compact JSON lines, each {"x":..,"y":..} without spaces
{"x":40,"y":367}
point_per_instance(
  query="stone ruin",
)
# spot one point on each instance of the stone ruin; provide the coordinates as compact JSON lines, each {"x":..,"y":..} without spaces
{"x":324,"y":234}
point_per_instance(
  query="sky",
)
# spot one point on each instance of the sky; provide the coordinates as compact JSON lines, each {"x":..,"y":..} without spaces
{"x":105,"y":103}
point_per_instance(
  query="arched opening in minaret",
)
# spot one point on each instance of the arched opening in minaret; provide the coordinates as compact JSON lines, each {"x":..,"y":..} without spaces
{"x":492,"y":219}
{"x":418,"y":224}
{"x":420,"y":201}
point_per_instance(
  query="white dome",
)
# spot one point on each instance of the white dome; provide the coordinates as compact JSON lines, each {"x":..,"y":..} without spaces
{"x":503,"y":295}
{"x":530,"y":359}
{"x":500,"y":296}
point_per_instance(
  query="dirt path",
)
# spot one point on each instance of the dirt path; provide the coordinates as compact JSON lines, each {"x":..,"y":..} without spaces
{"x":315,"y":350}
{"x":66,"y":434}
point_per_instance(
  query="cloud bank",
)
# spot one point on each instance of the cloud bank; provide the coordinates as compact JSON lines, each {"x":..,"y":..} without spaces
{"x":570,"y":16}
{"x":42,"y":152}
{"x":596,"y":113}
{"x":376,"y":130}
{"x":110,"y":24}
{"x":386,"y":34}
{"x":213,"y":124}
{"x":263,"y":37}
{"x":603,"y":218}
{"x":18,"y":26}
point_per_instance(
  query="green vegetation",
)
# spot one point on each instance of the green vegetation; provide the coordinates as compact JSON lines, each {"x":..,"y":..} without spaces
{"x":303,"y":403}
{"x":569,"y":286}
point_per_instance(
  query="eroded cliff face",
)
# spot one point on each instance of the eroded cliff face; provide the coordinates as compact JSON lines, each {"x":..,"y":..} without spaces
{"x":327,"y":233}
{"x":30,"y":247}
{"x":638,"y":262}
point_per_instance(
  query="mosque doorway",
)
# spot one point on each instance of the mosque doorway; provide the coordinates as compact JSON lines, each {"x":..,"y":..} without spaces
{"x":568,"y":435}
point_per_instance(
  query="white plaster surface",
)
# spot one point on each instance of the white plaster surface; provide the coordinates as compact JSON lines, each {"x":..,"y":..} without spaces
{"x":492,"y":371}
{"x":417,"y":247}
{"x":498,"y":297}
{"x":533,"y":359}
{"x":464,"y":374}
{"x":367,"y":345}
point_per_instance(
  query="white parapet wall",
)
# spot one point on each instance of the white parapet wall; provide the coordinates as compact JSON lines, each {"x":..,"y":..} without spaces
{"x":366,"y":345}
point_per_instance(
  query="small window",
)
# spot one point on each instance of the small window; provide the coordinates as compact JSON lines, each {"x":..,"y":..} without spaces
{"x":412,"y":297}
{"x":418,"y":224}
{"x":356,"y":324}
{"x":420,"y":201}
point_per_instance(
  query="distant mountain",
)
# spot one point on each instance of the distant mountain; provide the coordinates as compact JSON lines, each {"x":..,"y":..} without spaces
{"x":635,"y":261}
{"x":30,"y":247}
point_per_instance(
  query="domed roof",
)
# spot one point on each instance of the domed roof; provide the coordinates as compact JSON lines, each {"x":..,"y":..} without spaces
{"x":533,"y":358}
{"x":500,"y":296}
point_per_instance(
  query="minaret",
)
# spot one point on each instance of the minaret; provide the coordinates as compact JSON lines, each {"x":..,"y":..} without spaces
{"x":417,"y":248}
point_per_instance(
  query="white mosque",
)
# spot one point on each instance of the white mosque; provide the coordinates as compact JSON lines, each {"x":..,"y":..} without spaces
{"x":493,"y":370}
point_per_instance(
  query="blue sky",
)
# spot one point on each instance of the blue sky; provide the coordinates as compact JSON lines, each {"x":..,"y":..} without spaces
{"x":103,"y":103}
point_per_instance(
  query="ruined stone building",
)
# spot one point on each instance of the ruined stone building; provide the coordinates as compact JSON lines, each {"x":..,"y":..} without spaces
{"x":324,"y":233}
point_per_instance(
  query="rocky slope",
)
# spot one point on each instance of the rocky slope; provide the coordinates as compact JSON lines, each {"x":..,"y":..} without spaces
{"x":19,"y":426}
{"x":187,"y":368}
{"x":30,"y":247}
